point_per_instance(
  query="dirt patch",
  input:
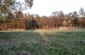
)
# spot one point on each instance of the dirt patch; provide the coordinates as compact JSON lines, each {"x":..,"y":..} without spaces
{"x":44,"y":38}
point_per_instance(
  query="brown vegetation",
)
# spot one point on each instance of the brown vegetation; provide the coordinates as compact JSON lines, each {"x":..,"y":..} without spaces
{"x":58,"y":20}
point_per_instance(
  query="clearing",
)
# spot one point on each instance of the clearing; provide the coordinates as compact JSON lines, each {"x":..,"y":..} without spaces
{"x":43,"y":42}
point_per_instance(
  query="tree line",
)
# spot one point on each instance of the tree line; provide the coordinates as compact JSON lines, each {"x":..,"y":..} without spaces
{"x":57,"y":20}
{"x":33,"y":21}
{"x":12,"y":17}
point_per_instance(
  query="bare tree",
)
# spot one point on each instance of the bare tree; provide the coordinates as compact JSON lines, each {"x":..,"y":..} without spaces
{"x":81,"y":12}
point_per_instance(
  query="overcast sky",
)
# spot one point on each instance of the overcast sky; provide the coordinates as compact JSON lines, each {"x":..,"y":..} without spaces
{"x":46,"y":7}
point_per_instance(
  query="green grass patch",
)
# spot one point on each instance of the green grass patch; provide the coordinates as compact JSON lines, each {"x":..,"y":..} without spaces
{"x":59,"y":42}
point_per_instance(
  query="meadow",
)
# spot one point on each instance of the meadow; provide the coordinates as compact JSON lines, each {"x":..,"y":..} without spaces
{"x":43,"y":42}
